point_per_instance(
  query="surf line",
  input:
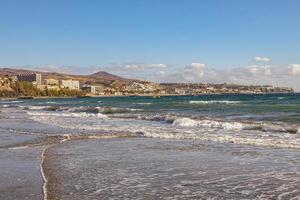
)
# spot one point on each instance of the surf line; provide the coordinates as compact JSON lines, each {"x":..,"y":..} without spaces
{"x":43,"y":174}
{"x":65,"y":138}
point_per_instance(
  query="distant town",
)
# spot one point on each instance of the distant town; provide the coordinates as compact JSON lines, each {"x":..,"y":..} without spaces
{"x":116,"y":87}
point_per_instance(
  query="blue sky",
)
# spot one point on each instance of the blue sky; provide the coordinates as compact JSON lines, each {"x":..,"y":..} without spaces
{"x":222,"y":34}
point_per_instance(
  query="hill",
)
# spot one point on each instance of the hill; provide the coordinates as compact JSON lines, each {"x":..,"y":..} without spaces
{"x":99,"y":77}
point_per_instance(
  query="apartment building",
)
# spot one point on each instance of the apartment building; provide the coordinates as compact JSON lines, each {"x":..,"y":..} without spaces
{"x":33,"y":78}
{"x":69,"y":84}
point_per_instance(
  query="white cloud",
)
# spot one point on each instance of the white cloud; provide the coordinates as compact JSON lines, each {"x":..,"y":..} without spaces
{"x":162,"y":66}
{"x":136,"y":67}
{"x":162,"y":72}
{"x":261,"y":59}
{"x":294,"y":69}
{"x":133,"y":67}
{"x":194,"y":71}
{"x":260,"y":70}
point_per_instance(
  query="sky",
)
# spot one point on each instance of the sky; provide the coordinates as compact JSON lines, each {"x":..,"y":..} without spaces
{"x":244,"y":42}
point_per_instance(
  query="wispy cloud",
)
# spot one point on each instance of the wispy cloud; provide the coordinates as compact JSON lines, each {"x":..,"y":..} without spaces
{"x":294,"y":69}
{"x":261,"y":59}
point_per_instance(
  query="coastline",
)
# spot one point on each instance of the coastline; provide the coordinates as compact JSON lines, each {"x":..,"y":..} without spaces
{"x":145,"y":95}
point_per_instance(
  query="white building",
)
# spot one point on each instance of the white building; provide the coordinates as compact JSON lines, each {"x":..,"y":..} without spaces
{"x":97,"y":89}
{"x":51,"y":81}
{"x":69,"y":84}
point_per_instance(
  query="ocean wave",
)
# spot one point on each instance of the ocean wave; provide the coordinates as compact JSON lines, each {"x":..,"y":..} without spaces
{"x":36,"y":107}
{"x":51,"y":102}
{"x":232,"y":125}
{"x":187,"y":122}
{"x":226,"y":138}
{"x":6,"y":106}
{"x":144,"y":103}
{"x":281,"y":98}
{"x":212,"y":123}
{"x":181,"y":128}
{"x":67,"y":114}
{"x":10,"y":102}
{"x":161,"y":118}
{"x":109,"y":110}
{"x":82,"y":109}
{"x":215,"y":102}
{"x":16,"y":101}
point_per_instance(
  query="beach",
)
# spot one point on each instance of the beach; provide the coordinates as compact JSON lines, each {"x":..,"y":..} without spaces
{"x":187,"y":147}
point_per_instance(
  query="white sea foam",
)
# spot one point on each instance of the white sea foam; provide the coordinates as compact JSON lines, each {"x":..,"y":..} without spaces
{"x":180,"y":128}
{"x":10,"y":102}
{"x":280,"y":98}
{"x":187,"y":122}
{"x":16,"y":101}
{"x":215,"y":102}
{"x":144,"y":103}
{"x":226,"y":138}
{"x":67,"y":114}
{"x":37,"y":107}
{"x":51,"y":102}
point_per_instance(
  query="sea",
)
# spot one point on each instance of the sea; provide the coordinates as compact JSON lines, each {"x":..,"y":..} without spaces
{"x":218,"y":146}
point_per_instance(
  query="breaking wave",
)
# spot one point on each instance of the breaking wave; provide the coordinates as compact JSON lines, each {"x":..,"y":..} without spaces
{"x":273,"y":135}
{"x":67,"y":114}
{"x":232,"y":125}
{"x":226,"y":138}
{"x":85,"y":109}
{"x":187,"y":122}
{"x":145,"y":103}
{"x":214,"y":102}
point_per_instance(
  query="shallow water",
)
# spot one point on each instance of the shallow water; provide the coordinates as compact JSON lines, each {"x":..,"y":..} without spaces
{"x":20,"y":176}
{"x":171,"y":169}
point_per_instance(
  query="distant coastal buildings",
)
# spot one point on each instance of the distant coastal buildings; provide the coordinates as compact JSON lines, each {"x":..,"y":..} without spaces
{"x":97,"y":89}
{"x":50,"y":83}
{"x":118,"y":88}
{"x":35,"y":78}
{"x":69,"y":84}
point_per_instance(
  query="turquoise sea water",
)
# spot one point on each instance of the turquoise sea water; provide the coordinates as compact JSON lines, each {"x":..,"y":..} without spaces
{"x":265,"y":119}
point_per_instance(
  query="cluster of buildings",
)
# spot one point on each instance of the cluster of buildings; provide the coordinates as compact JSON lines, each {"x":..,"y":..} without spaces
{"x":205,"y":88}
{"x":116,"y":88}
{"x":119,"y":89}
{"x":54,"y":84}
